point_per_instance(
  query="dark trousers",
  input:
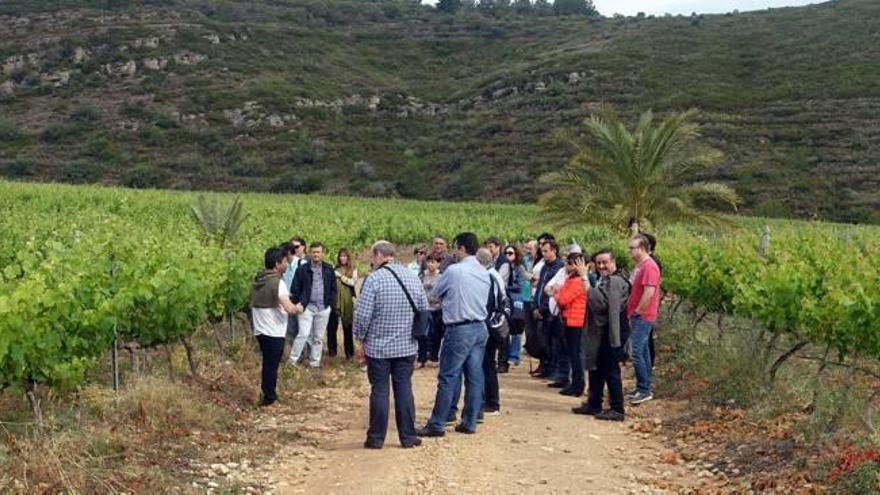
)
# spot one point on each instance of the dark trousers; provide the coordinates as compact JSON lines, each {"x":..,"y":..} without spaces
{"x":607,"y":373}
{"x":347,"y":336}
{"x":491,"y":400}
{"x":504,"y":350}
{"x":436,"y":335}
{"x":400,"y":371}
{"x":272,"y":349}
{"x":573,"y":337}
{"x":560,"y":368}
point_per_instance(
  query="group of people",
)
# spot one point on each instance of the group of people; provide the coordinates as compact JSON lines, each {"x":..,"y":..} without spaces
{"x":579,"y":315}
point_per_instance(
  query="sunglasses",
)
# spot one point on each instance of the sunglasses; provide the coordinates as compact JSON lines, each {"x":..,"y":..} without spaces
{"x":297,"y":246}
{"x":510,"y":253}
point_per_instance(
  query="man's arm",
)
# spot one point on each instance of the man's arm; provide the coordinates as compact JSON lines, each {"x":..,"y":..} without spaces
{"x":363,"y":310}
{"x":296,"y":285}
{"x":289,"y":307}
{"x":504,"y":274}
{"x":440,"y":286}
{"x":329,"y":270}
{"x":646,"y":299}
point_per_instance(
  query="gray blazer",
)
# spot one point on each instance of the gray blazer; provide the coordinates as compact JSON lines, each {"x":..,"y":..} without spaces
{"x":606,"y":301}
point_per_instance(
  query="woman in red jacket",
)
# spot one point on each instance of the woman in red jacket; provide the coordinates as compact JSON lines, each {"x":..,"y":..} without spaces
{"x":572,"y":301}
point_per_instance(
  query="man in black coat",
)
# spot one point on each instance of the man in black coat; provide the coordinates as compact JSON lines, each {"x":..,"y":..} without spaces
{"x":313,"y":287}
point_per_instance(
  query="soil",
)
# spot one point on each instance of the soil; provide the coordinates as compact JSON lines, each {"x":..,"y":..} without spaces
{"x":536,"y":446}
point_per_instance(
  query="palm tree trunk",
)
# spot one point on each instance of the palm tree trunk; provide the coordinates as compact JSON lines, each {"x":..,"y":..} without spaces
{"x":634,"y":228}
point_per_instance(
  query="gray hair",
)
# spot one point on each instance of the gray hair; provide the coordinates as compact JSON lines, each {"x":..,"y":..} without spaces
{"x":484,"y":257}
{"x":384,"y":248}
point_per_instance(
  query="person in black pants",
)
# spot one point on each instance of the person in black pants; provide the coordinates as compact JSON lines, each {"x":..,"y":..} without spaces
{"x":607,"y":331}
{"x":270,"y":306}
{"x":343,"y":310}
{"x":383,"y":322}
{"x":430,"y":348}
{"x":498,"y":331}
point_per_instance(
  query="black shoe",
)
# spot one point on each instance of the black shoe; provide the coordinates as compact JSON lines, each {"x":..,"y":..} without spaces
{"x":451,"y":420}
{"x":586,"y":410}
{"x":537,"y":371}
{"x":415,"y":443}
{"x":462,"y":429}
{"x":557,"y":385}
{"x":425,"y":432}
{"x":504,"y":369}
{"x":571,"y":392}
{"x":267,"y":403}
{"x":372,"y":445}
{"x":610,"y":415}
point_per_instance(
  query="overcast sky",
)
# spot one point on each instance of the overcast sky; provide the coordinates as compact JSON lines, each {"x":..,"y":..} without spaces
{"x":660,"y":7}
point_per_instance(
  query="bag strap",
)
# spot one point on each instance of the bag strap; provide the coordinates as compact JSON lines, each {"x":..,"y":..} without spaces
{"x":409,"y":298}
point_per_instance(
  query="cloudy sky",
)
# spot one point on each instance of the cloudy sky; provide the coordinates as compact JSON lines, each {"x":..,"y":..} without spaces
{"x":660,"y":7}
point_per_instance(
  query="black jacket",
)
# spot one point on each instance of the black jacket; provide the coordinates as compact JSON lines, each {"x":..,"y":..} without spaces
{"x":301,"y":289}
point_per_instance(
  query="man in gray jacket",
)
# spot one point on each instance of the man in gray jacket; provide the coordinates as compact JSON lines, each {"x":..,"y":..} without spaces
{"x":608,"y":331}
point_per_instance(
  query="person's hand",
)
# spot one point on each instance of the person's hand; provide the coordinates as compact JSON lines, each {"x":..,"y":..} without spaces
{"x":537,"y":314}
{"x":361,"y":355}
{"x":583,"y":268}
{"x":550,"y":290}
{"x":299,"y":309}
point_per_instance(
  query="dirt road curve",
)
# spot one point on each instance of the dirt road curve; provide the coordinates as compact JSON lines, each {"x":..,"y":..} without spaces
{"x":536,"y":446}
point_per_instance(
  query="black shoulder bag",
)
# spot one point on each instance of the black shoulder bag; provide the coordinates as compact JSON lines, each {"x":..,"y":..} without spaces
{"x":421,"y":319}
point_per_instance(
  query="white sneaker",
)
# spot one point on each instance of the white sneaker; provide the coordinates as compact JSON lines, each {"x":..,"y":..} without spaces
{"x":641,"y":397}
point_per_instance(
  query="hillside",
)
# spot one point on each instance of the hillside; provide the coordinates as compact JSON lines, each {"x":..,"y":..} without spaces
{"x":388,"y":98}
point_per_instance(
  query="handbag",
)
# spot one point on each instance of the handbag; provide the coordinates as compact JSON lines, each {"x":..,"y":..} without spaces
{"x":421,"y":318}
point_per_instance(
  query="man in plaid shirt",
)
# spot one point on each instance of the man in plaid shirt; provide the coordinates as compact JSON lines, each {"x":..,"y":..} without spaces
{"x":383,"y":321}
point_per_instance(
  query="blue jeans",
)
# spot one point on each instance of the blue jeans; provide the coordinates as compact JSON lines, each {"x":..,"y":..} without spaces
{"x":513,"y":352}
{"x":641,"y":353}
{"x":400,"y":371}
{"x":462,"y":351}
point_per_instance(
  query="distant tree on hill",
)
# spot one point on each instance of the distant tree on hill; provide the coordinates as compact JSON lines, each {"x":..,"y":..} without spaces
{"x":575,"y":7}
{"x":542,"y":7}
{"x":449,"y":6}
{"x":522,"y":7}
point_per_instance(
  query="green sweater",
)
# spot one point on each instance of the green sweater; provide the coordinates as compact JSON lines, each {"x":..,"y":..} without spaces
{"x":264,"y":291}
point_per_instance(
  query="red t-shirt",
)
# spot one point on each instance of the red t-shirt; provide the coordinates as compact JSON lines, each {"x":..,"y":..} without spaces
{"x":647,"y":274}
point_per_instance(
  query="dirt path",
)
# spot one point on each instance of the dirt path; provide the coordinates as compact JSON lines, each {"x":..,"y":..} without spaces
{"x":536,"y":446}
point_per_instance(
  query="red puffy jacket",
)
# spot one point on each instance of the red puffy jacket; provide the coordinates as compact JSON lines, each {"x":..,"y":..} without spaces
{"x":572,"y":301}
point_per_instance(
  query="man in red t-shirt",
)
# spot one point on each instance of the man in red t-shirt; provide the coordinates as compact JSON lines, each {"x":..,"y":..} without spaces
{"x":642,"y":309}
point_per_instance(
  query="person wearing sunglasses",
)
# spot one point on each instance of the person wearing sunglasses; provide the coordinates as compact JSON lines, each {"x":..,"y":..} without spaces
{"x":415,"y":265}
{"x":572,"y":300}
{"x":516,"y":291}
{"x":296,"y":257}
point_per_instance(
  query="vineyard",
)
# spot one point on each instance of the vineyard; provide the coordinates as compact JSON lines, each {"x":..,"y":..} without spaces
{"x":84,"y":267}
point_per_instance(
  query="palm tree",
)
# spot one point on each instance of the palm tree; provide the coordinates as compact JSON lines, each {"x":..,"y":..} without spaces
{"x":638,"y":179}
{"x":219,"y":224}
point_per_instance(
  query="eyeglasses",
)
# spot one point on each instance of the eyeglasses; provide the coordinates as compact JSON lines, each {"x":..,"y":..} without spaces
{"x":297,"y":246}
{"x":510,"y":253}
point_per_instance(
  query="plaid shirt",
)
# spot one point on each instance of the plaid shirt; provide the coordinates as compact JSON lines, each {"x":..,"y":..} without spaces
{"x":383,"y":317}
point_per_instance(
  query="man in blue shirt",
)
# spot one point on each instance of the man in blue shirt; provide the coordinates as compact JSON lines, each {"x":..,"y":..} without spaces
{"x":463,"y":290}
{"x":383,"y":322}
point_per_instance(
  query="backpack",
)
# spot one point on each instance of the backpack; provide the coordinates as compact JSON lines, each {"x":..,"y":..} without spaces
{"x":497,"y":307}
